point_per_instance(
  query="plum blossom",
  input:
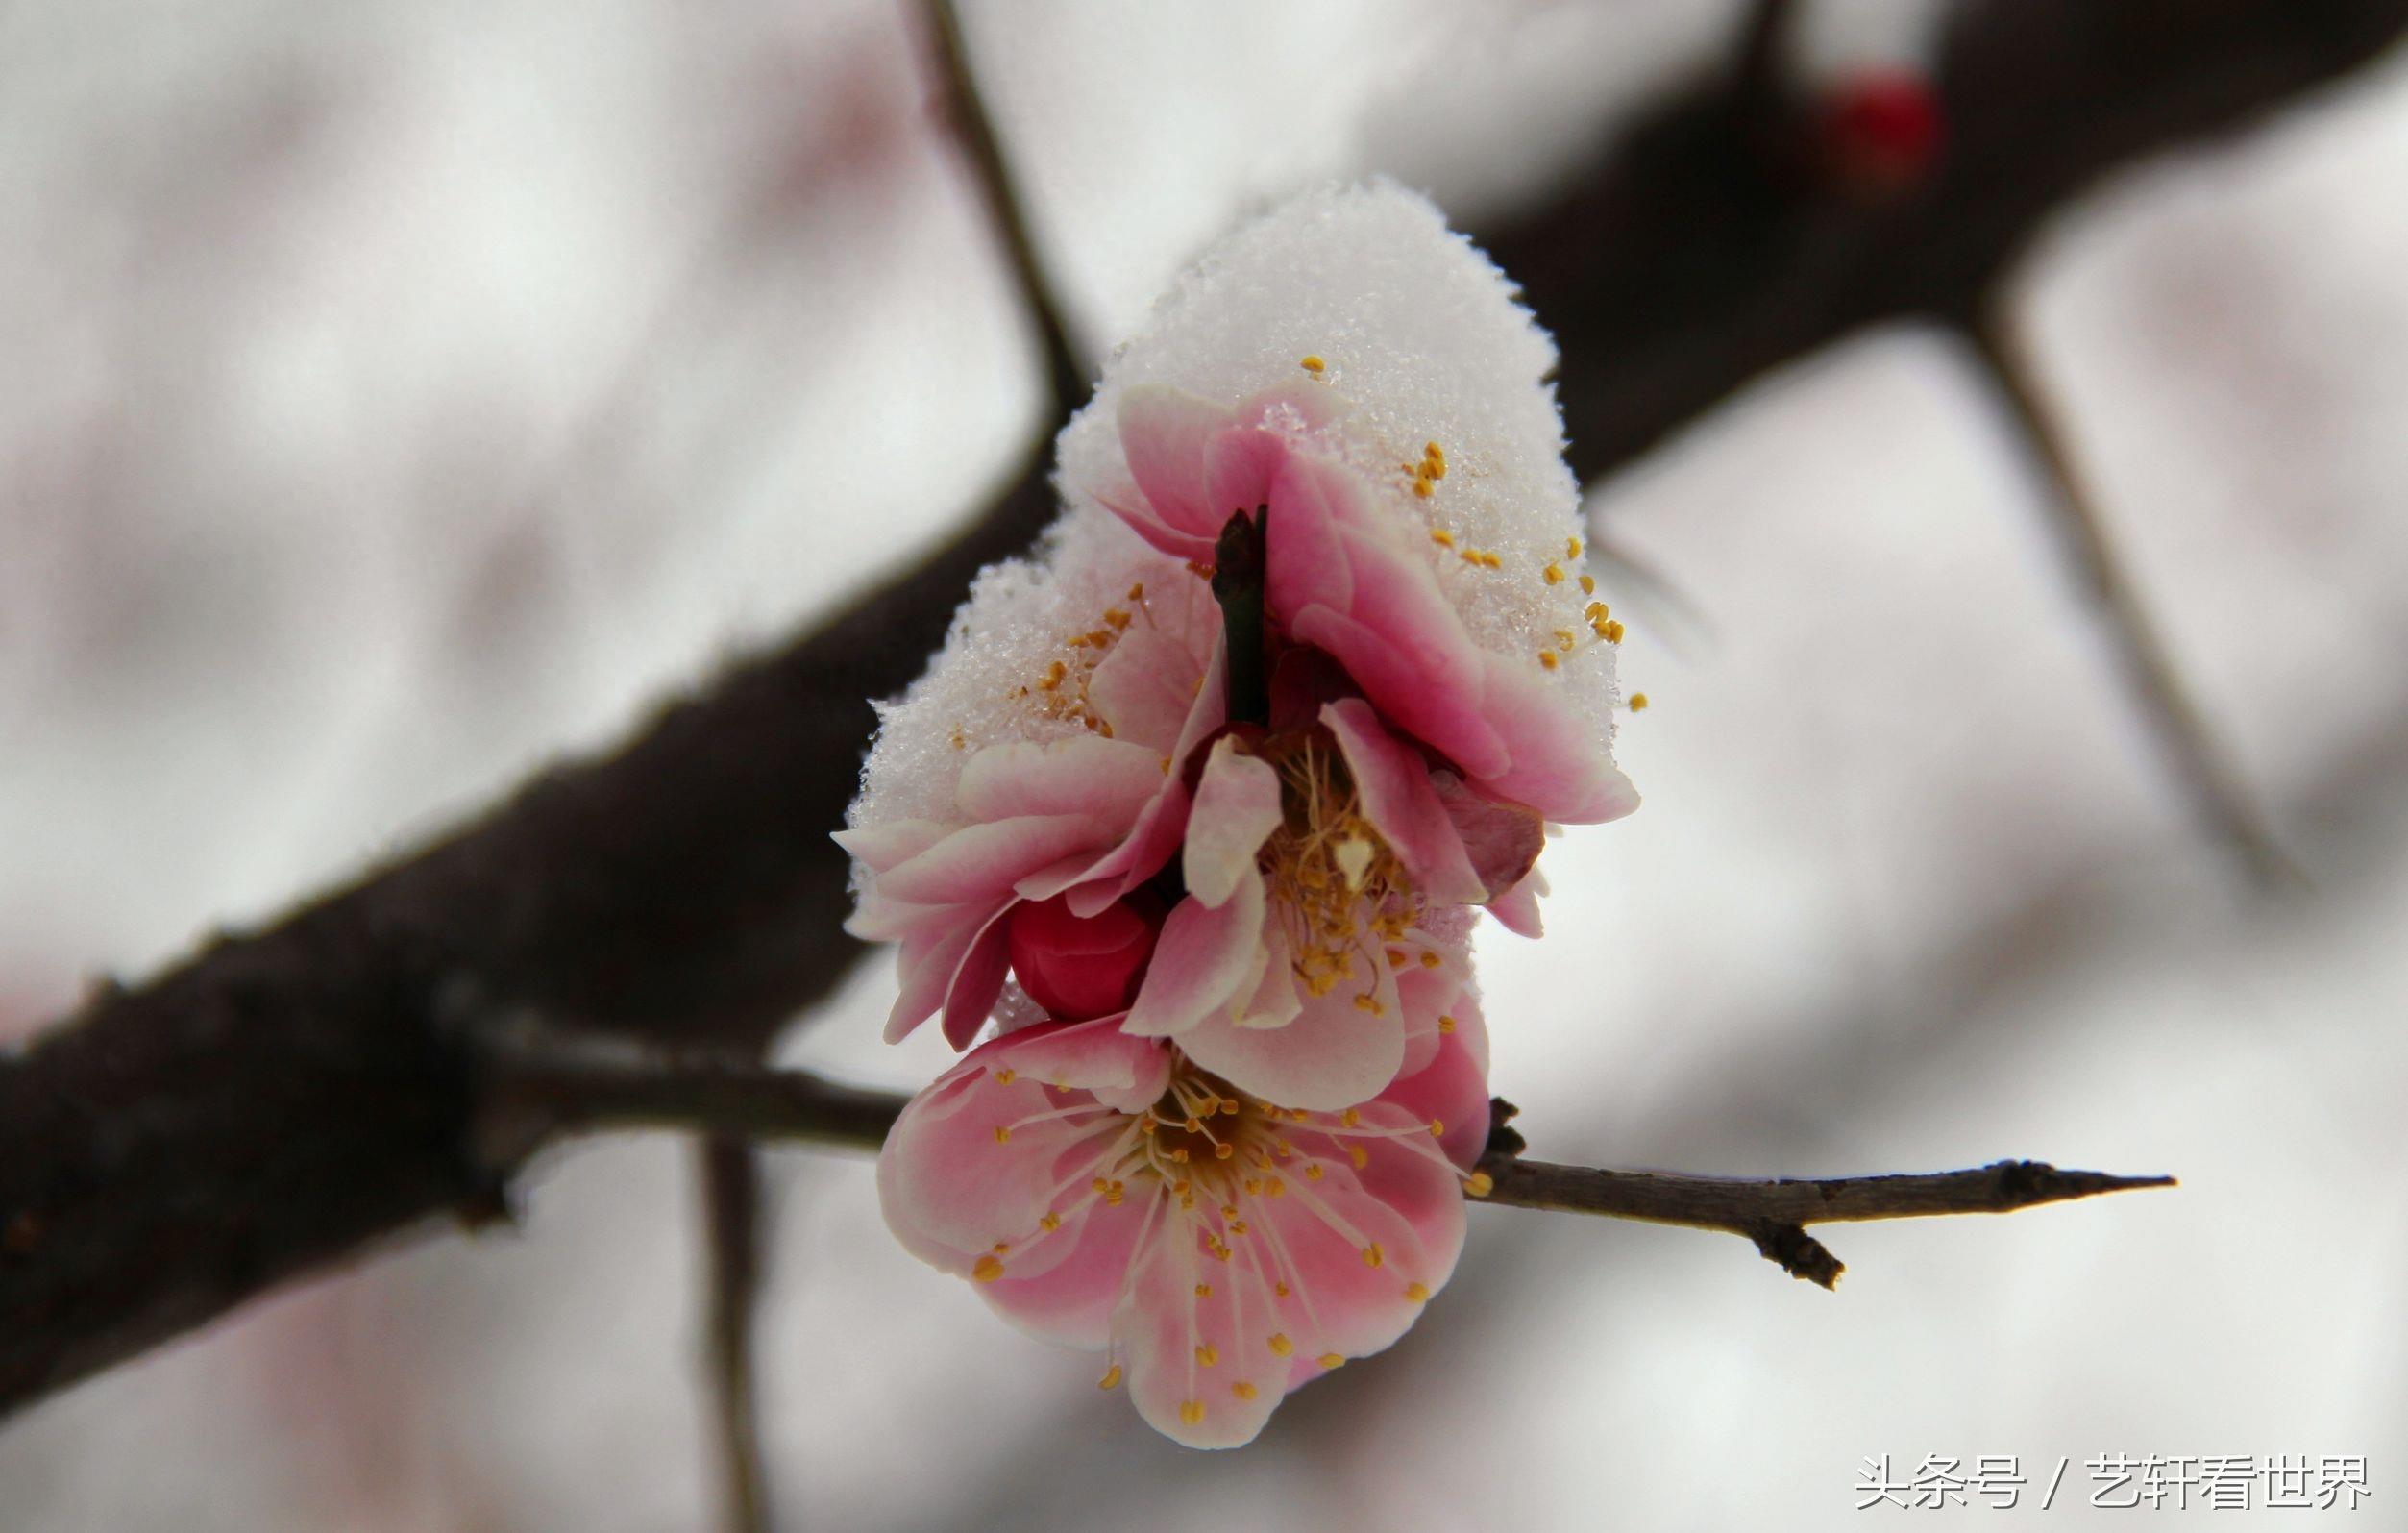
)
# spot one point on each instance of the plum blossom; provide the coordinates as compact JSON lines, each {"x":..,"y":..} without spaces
{"x":1106,"y":1192}
{"x":1073,"y":805}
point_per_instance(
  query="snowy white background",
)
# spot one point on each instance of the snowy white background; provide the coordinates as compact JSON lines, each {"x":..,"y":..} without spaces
{"x":396,"y":397}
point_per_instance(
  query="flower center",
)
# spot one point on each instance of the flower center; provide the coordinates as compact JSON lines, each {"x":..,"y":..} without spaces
{"x":1335,"y":885}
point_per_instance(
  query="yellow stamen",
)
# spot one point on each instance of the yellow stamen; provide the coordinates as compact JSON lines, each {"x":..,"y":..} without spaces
{"x":1243,"y":1390}
{"x":1416,"y":1293}
{"x":1191,"y":1412}
{"x":1329,"y":1360}
{"x":1479,"y":1184}
{"x":1110,"y":1378}
{"x":1372,"y":1255}
{"x":987,"y":1270}
{"x":1311,"y":364}
{"x":1280,"y":1345}
{"x":1639,"y":701}
{"x":1206,"y":1355}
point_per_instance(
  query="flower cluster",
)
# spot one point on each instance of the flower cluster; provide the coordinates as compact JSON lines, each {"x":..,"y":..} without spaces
{"x":1200,"y":805}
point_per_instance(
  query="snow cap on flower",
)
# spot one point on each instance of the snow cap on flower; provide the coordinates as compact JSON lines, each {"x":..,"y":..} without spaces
{"x":1032,"y":763}
{"x":1351,"y":324}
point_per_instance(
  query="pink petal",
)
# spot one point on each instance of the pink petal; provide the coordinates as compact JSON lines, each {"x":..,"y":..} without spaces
{"x":1070,"y":1302}
{"x":1502,"y":840}
{"x":1237,"y":808}
{"x":1332,"y":1055}
{"x":1453,"y":1088}
{"x":1163,"y":433}
{"x":1121,"y":1072}
{"x":970,"y":997}
{"x":1104,"y":780}
{"x":982,"y":861}
{"x":1558,"y":767}
{"x":1196,"y":1332}
{"x":1207,"y":956}
{"x":1403,"y":805}
{"x":1516,"y":909}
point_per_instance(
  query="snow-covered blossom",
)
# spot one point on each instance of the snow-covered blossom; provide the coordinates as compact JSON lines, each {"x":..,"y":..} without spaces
{"x":1106,"y":1192}
{"x":1223,"y":776}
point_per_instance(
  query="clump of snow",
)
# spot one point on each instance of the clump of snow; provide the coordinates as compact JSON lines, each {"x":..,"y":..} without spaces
{"x":1422,"y":339}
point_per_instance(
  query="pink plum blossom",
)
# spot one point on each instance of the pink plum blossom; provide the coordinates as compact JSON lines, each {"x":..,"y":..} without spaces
{"x":1085,"y":817}
{"x":1351,"y":575}
{"x":1108,"y":1192}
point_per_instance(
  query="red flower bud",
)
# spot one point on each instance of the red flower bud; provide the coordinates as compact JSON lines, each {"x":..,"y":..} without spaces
{"x":1082,"y":967}
{"x":1882,"y":130}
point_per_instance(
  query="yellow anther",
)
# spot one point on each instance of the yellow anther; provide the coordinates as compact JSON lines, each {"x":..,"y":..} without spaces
{"x":987,"y":1270}
{"x":1280,"y":1289}
{"x":1238,"y":1227}
{"x":1329,"y":1360}
{"x":1361,"y":1156}
{"x":1002,"y":1135}
{"x":1479,"y":1184}
{"x":1280,"y":1345}
{"x":1110,"y":1378}
{"x":1447,"y":1025}
{"x":1370,"y":1004}
{"x":1552,"y":575}
{"x":1195,"y":1124}
{"x":1274,"y":1188}
{"x":1639,"y":701}
{"x":1351,"y":1117}
{"x":1597,"y":611}
{"x":1052,"y":1220}
{"x":1614,"y":631}
{"x":1372,"y":1255}
{"x":1004,"y":1078}
{"x":1565,"y":639}
{"x":1442,"y":537}
{"x":1434,"y":455}
{"x":1416,"y":1293}
{"x":1437,"y":1129}
{"x":1191,"y":1412}
{"x":1223,"y":1151}
{"x":1547,"y":660}
{"x":1206,"y":1355}
{"x":1571,"y":547}
{"x":1588,"y":585}
{"x":1229,"y":1210}
{"x":1180,"y":1154}
{"x":1312,"y":1172}
{"x":1102,"y":1184}
{"x":1203,"y":1290}
{"x":1229,"y":1106}
{"x":1423,"y":488}
{"x":1311,"y":364}
{"x":1430,"y":959}
{"x":1243,"y":1390}
{"x":1002,"y":1247}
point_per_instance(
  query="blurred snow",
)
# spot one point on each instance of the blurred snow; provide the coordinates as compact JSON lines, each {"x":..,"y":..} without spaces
{"x":399,"y":397}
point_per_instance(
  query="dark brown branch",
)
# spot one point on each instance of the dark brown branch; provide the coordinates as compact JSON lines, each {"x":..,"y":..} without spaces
{"x":1774,"y":1214}
{"x":573,"y":1087}
{"x":286,"y":1098}
{"x":2221,"y":805}
{"x":733,"y":1216}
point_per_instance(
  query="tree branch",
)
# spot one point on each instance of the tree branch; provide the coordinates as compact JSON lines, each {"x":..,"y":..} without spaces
{"x":568,"y":1086}
{"x":2209,"y":785}
{"x":285,"y":1098}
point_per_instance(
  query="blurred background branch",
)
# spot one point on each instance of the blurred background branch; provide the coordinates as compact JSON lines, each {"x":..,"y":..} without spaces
{"x":289,"y":1095}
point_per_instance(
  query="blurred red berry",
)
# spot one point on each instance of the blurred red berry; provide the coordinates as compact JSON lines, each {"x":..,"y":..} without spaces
{"x":1882,"y":129}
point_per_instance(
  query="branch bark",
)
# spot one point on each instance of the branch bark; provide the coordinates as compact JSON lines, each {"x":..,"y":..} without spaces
{"x":554,"y":1088}
{"x":286,"y":1098}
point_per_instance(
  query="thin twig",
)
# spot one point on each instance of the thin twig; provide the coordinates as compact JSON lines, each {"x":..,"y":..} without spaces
{"x":1006,"y":205}
{"x":2218,"y":799}
{"x":733,"y":1216}
{"x":585,"y":1090}
{"x":1773,"y":1213}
